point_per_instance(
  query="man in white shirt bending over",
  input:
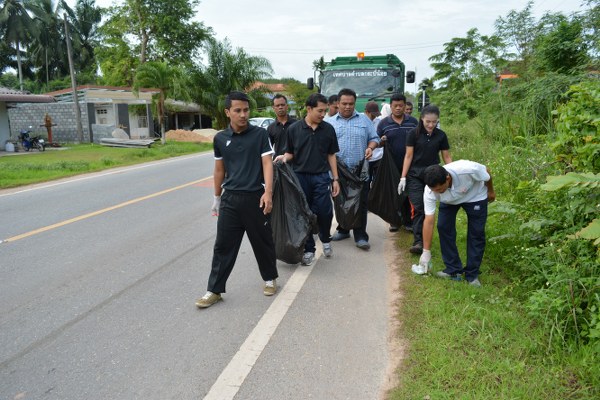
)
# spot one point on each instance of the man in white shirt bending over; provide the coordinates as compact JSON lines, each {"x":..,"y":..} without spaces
{"x":460,"y":184}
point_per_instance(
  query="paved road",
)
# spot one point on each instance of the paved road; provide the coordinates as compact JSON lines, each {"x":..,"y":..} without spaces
{"x":98,"y":278}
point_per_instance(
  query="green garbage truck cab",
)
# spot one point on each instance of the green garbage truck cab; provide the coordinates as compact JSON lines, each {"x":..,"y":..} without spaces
{"x":371,"y":77}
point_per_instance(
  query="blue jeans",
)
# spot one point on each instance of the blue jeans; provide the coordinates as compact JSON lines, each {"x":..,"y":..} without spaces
{"x":316,"y":188}
{"x":476,"y":217}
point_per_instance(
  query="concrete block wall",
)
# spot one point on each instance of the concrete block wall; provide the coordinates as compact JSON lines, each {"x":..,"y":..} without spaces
{"x":63,"y":115}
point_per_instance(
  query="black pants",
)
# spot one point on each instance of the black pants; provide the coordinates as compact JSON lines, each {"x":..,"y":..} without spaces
{"x":415,"y":187}
{"x":239,"y":213}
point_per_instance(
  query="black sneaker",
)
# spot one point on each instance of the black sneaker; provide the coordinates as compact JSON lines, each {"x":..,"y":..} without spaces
{"x":416,"y":248}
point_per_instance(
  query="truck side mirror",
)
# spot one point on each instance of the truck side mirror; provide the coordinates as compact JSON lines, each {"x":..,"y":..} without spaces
{"x":310,"y":83}
{"x":410,"y":76}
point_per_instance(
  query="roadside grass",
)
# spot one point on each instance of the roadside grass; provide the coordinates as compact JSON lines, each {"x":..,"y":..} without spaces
{"x":470,"y":343}
{"x":35,"y":167}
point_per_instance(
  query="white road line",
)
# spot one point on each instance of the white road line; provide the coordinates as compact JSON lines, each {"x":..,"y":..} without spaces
{"x":233,"y":376}
{"x":92,"y":175}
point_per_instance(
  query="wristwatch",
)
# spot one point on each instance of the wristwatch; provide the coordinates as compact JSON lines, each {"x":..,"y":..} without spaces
{"x":336,"y":179}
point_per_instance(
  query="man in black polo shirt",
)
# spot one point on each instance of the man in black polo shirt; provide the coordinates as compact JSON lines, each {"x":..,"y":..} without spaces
{"x":278,"y":128}
{"x":393,"y":131}
{"x":311,"y":147}
{"x":244,"y":168}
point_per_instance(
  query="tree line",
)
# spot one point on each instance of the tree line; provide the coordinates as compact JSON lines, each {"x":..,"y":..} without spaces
{"x":137,"y":43}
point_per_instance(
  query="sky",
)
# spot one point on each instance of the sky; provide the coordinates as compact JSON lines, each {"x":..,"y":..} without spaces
{"x":294,"y":34}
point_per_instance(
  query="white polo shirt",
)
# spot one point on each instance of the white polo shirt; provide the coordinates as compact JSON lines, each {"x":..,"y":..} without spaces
{"x":468,"y":185}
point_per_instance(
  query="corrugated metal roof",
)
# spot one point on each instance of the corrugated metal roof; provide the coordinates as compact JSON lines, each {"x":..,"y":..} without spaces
{"x":16,"y":96}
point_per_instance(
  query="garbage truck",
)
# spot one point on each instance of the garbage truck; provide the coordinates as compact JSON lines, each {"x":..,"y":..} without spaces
{"x":371,"y":77}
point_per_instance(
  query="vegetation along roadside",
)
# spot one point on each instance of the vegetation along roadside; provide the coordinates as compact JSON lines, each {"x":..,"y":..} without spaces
{"x":533,"y":330}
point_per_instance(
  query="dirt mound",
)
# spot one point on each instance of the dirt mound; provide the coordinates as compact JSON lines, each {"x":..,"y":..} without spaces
{"x":197,"y":135}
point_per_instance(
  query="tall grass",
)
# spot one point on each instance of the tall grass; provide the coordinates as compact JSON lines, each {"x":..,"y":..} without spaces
{"x":533,"y":330}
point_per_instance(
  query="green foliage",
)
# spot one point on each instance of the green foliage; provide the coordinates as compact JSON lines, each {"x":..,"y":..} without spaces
{"x":228,"y":70}
{"x":171,"y":82}
{"x":157,"y":30}
{"x":562,"y":47}
{"x":578,"y":127}
{"x":298,"y":92}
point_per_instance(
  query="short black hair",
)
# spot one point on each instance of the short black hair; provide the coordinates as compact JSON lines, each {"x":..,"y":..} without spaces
{"x":347,"y":92}
{"x":332,"y":99}
{"x":279,"y":96}
{"x":398,"y":97}
{"x":314,"y":99}
{"x":431,"y":109}
{"x":435,"y":175}
{"x":408,"y":103}
{"x":235,"y":95}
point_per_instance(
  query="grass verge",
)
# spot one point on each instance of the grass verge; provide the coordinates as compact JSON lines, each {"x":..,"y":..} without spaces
{"x":35,"y":167}
{"x":469,"y":343}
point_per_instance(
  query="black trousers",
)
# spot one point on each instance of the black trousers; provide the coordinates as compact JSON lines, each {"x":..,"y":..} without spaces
{"x":416,"y":187}
{"x":239,"y":213}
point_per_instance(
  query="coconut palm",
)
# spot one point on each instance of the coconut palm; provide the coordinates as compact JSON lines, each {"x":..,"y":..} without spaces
{"x":16,"y":27}
{"x":46,"y":47}
{"x":226,"y":71}
{"x":170,"y":81}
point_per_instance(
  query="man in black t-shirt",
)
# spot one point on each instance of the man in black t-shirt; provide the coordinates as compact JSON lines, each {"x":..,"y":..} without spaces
{"x":311,"y":147}
{"x":244,"y":168}
{"x":278,"y":128}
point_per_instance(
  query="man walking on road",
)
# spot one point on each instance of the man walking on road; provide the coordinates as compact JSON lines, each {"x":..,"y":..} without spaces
{"x":244,"y":168}
{"x":460,"y":184}
{"x":357,"y":139}
{"x":311,"y":148}
{"x":277,"y":130}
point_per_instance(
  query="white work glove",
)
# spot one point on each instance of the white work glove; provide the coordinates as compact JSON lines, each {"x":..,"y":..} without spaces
{"x":215,"y":206}
{"x":401,"y":185}
{"x":424,"y":263}
{"x":425,"y":259}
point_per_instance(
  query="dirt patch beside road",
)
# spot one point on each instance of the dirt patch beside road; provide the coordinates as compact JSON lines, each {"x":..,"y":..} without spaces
{"x":197,"y":135}
{"x":395,"y":259}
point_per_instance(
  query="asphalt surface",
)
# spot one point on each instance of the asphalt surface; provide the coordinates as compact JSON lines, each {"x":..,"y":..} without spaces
{"x":98,"y":279}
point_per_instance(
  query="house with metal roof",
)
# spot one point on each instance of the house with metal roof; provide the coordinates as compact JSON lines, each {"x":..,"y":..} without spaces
{"x":9,"y":98}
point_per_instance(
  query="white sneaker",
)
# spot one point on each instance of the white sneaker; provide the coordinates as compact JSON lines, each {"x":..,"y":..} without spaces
{"x":420,"y":269}
{"x":308,"y":258}
{"x":327,"y":250}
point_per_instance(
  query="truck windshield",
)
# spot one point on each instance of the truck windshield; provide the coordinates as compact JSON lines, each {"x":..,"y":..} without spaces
{"x":365,"y":82}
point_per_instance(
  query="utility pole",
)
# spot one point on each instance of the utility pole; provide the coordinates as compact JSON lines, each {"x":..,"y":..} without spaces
{"x":73,"y":82}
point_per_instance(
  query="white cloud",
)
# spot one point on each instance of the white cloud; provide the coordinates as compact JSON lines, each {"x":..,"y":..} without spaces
{"x":293,"y":34}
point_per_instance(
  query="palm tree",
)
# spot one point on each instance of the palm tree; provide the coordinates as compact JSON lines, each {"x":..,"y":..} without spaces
{"x":86,"y":25}
{"x":16,"y":27}
{"x":170,"y":81}
{"x":226,"y":71}
{"x":47,"y":46}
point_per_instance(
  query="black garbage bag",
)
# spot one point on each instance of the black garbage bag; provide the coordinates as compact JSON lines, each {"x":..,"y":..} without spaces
{"x":384,"y":199}
{"x":347,"y":203}
{"x":292,"y":220}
